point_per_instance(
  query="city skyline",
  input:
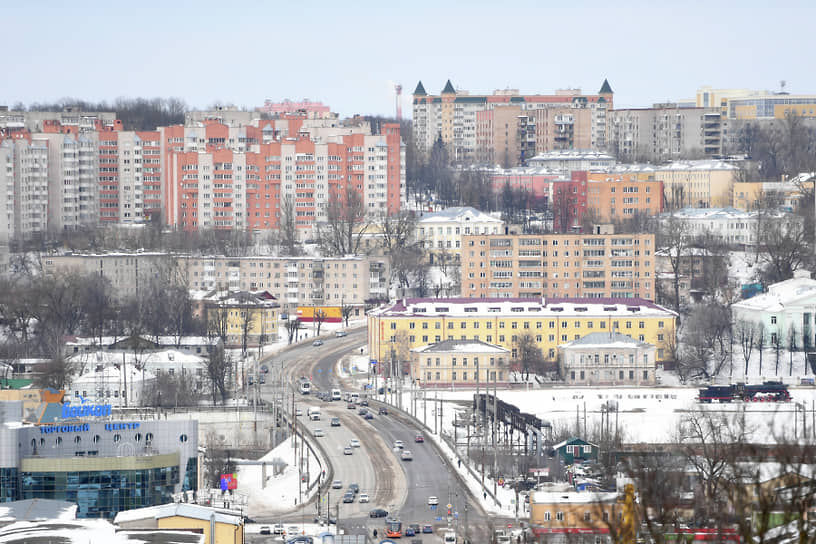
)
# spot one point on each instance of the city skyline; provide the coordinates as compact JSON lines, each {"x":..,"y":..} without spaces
{"x":253,"y":51}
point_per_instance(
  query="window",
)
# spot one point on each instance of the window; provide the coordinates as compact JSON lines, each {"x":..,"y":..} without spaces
{"x":773,"y":320}
{"x":559,"y":516}
{"x":546,"y":516}
{"x":587,"y":516}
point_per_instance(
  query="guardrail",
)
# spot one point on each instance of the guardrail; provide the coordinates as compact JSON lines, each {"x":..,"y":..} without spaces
{"x":411,"y":420}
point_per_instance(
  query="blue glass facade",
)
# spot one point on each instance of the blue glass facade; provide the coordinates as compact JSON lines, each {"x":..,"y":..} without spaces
{"x":101,"y":494}
{"x":8,"y":484}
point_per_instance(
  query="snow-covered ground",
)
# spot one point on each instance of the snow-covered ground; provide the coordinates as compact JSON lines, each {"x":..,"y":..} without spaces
{"x":281,"y":492}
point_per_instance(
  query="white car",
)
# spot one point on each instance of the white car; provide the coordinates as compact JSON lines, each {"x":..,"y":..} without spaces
{"x":433,"y":501}
{"x":363,"y":497}
{"x":293,"y":530}
{"x":347,"y":450}
{"x":354,"y":443}
{"x":406,"y":456}
{"x":318,"y":433}
{"x":278,"y":529}
{"x":399,"y":444}
{"x":298,"y":412}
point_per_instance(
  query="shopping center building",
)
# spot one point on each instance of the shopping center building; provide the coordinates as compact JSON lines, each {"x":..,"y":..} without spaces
{"x":88,"y":455}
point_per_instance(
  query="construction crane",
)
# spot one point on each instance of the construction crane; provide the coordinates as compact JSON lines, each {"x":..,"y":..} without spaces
{"x":398,"y":90}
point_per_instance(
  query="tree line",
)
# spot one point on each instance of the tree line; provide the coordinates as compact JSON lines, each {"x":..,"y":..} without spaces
{"x":135,"y":113}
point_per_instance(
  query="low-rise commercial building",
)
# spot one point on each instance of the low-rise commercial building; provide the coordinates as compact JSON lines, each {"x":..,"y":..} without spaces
{"x":240,"y":318}
{"x":607,"y":358}
{"x":458,"y":362}
{"x":217,"y":525}
{"x":785,"y":314}
{"x":414,"y":322}
{"x":603,"y":265}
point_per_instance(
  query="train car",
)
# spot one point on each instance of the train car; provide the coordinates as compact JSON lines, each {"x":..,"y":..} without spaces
{"x":764,"y":392}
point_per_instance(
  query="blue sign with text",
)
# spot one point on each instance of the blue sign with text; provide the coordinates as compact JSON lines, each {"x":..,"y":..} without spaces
{"x":85,"y":410}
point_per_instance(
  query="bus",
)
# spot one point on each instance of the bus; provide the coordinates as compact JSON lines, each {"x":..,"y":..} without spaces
{"x":393,"y":528}
{"x":336,"y":394}
{"x":305,"y":386}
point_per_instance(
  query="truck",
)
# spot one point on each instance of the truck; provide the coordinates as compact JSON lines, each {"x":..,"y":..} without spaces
{"x":336,"y":394}
{"x":769,"y":391}
{"x":314,"y":413}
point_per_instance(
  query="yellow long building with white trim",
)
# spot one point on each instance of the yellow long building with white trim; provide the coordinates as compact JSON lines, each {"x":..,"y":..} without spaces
{"x":408,"y":323}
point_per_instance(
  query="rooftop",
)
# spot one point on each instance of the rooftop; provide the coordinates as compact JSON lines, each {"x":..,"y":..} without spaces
{"x":780,"y":295}
{"x":458,"y":214}
{"x":461,"y":346}
{"x":607,"y":340}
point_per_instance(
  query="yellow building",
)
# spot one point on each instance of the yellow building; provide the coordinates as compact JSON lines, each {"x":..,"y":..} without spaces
{"x":219,"y":526}
{"x":241,"y":318}
{"x":457,"y":362}
{"x":413,"y":322}
{"x":697,"y":183}
{"x":752,"y":195}
{"x":587,"y":517}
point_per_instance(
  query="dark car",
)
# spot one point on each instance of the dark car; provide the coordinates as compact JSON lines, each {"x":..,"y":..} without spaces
{"x":383,"y":411}
{"x":369,"y":415}
{"x":265,"y":369}
{"x":378,"y":513}
{"x":362,"y":411}
{"x":348,"y":497}
{"x":415,"y":526}
{"x":427,"y":529}
{"x":409,"y":531}
{"x":354,"y":488}
{"x":419,"y":439}
{"x":364,"y":402}
{"x":335,"y":422}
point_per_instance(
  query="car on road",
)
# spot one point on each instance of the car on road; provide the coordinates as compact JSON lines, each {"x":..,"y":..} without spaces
{"x":378,"y":513}
{"x":354,"y":443}
{"x":409,"y":531}
{"x":335,"y":422}
{"x":340,"y":334}
{"x":399,"y":444}
{"x":427,"y":529}
{"x":318,"y":433}
{"x":321,"y":520}
{"x":433,"y":501}
{"x":348,"y":497}
{"x":354,"y":488}
{"x":347,"y":450}
{"x":317,"y":342}
{"x":415,"y":526}
{"x":265,"y":530}
{"x":337,"y":484}
{"x":406,"y":456}
{"x":298,"y":412}
{"x":419,"y":439}
{"x":364,"y":497}
{"x":278,"y":529}
{"x":293,"y":530}
{"x":383,"y":411}
{"x":351,"y":406}
{"x":369,"y":415}
{"x":362,"y":411}
{"x":364,"y":402}
{"x":265,"y":369}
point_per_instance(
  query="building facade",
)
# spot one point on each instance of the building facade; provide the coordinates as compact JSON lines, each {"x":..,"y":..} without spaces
{"x":241,"y":318}
{"x":103,"y":465}
{"x":457,"y":362}
{"x":442,"y":231}
{"x":558,"y":265}
{"x":728,"y":225}
{"x":784,"y":315}
{"x":507,"y":127}
{"x":416,"y":322}
{"x":620,"y":197}
{"x":607,"y":358}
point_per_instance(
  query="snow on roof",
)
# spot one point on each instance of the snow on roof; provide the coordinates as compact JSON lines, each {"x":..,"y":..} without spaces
{"x":37,"y":509}
{"x":461,"y":346}
{"x":549,"y":497}
{"x":161,"y":340}
{"x":572,"y":154}
{"x":82,"y":531}
{"x":459,"y":214}
{"x":780,"y":295}
{"x":111,"y":373}
{"x":606,"y":340}
{"x":572,"y":440}
{"x":187,"y":510}
{"x":709,"y":213}
{"x":521,"y":307}
{"x":675,"y":166}
{"x":106,"y":357}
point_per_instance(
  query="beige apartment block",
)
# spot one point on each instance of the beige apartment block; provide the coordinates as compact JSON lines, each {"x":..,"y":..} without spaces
{"x":293,"y":281}
{"x":460,"y":362}
{"x":558,"y":265}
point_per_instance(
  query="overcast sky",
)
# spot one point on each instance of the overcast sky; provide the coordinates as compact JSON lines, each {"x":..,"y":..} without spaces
{"x":349,"y":54}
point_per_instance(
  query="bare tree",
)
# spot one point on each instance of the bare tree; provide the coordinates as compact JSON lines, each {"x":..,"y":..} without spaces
{"x":292,"y":328}
{"x":346,"y":310}
{"x":219,"y":366}
{"x":529,"y":355}
{"x":673,"y":235}
{"x":783,"y":248}
{"x":248,"y":316}
{"x":288,"y":227}
{"x":319,"y":318}
{"x":57,"y":374}
{"x":761,"y":339}
{"x":746,"y":332}
{"x":706,"y":342}
{"x":345,"y":224}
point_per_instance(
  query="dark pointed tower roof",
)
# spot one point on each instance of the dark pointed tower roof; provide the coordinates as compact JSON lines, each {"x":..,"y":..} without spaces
{"x":606,"y":88}
{"x":448,"y":88}
{"x":420,"y":90}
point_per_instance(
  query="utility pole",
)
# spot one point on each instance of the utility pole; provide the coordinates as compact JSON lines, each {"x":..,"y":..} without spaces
{"x":495,"y":422}
{"x":436,"y":398}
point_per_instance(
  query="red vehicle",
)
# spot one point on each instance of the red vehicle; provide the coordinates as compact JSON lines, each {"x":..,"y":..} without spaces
{"x":419,"y":438}
{"x":393,"y":528}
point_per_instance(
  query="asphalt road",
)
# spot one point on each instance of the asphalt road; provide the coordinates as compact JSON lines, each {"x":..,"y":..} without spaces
{"x":401,"y":487}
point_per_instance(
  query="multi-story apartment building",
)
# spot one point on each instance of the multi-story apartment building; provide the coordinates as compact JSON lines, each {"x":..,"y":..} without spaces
{"x":506,"y":127}
{"x":665,"y":132}
{"x":558,"y":265}
{"x":728,"y":225}
{"x":6,"y":193}
{"x":225,"y":188}
{"x":618,"y":197}
{"x":313,"y":109}
{"x":129,"y":274}
{"x":73,"y":120}
{"x":72,"y":180}
{"x":29,"y":170}
{"x":442,"y":231}
{"x":698,"y":183}
{"x":754,"y":195}
{"x":414,"y":322}
{"x":569,"y":161}
{"x":293,"y":281}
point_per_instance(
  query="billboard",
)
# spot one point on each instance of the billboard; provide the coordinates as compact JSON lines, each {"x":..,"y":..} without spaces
{"x":229,"y":481}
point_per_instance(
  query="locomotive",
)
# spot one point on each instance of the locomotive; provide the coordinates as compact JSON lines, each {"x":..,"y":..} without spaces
{"x":765,"y":392}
